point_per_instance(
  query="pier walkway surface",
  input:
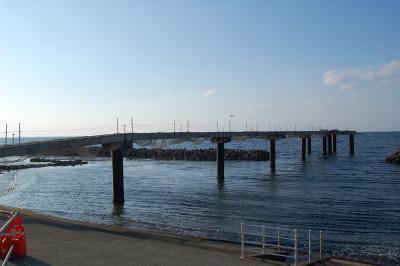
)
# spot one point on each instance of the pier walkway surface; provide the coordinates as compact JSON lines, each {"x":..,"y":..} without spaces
{"x":56,"y":241}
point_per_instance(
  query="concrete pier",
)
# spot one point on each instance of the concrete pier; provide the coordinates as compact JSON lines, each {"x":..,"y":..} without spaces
{"x":118,"y":176}
{"x":220,"y":141}
{"x":272,"y":154}
{"x":351,"y":142}
{"x":324,"y":145}
{"x":330,"y":143}
{"x":309,"y":144}
{"x":303,"y":149}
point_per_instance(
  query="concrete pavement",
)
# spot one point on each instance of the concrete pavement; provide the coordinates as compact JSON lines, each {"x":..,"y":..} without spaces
{"x":55,"y":241}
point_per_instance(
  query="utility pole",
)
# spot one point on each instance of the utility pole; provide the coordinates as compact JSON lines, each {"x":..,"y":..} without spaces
{"x":19,"y":133}
{"x":174,"y":125}
{"x":117,"y":126}
{"x":124,"y":128}
{"x":13,"y":139}
{"x":132,"y":124}
{"x":181,"y":128}
{"x":246,"y":126}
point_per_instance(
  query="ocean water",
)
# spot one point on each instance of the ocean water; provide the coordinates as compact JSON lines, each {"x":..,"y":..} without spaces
{"x":355,"y":200}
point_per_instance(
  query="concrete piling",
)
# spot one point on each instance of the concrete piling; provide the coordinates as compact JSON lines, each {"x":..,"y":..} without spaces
{"x":303,"y":149}
{"x":309,"y":144}
{"x":324,"y":145}
{"x":220,"y":141}
{"x":118,"y":176}
{"x":272,"y":155}
{"x":334,"y":143}
{"x":351,"y":142}
{"x":220,"y":161}
{"x":330,"y":143}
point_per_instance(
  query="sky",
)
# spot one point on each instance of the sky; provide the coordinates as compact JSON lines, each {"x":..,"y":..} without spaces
{"x":74,"y":67}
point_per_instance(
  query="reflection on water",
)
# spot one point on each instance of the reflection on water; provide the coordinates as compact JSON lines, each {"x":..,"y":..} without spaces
{"x":354,"y":199}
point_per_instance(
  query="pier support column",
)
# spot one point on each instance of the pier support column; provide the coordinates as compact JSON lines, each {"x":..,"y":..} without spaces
{"x":334,"y":143}
{"x":303,"y":149}
{"x":220,"y":160}
{"x":272,"y":155}
{"x":324,"y":145}
{"x":220,"y":141}
{"x":351,"y":142}
{"x":330,"y":144}
{"x":309,"y":144}
{"x":118,"y":176}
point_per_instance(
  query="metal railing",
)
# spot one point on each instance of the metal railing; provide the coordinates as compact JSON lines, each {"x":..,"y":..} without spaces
{"x":289,"y":245}
{"x":3,"y":228}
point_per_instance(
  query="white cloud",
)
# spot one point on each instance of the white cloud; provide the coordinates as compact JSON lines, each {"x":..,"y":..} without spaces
{"x":208,"y":93}
{"x":387,"y":75}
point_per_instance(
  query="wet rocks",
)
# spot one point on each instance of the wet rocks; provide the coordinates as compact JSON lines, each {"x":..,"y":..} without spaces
{"x":39,"y":163}
{"x":196,"y":154}
{"x":394,"y":158}
{"x":58,"y":162}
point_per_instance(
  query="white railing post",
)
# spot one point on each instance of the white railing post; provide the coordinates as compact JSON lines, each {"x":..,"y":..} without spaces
{"x":309,"y":245}
{"x":263,"y":238}
{"x":295,"y":247}
{"x":279,"y":238}
{"x":320,"y":244}
{"x":241,"y":241}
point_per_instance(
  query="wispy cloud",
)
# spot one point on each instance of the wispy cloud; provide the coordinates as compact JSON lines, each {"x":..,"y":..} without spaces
{"x":385,"y":75}
{"x":208,"y":93}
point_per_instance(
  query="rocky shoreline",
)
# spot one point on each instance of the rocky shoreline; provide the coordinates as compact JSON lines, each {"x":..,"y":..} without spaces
{"x":394,"y":158}
{"x":43,"y":163}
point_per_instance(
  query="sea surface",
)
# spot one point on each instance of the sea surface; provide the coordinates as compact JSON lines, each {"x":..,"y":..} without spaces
{"x":354,"y":200}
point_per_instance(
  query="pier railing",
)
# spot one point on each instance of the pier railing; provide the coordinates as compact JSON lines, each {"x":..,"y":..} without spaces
{"x":281,"y":244}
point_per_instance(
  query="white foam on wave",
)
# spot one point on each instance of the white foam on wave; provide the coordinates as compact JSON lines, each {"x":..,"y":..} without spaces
{"x":10,"y":186}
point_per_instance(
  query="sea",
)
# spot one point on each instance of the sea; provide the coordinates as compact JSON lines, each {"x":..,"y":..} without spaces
{"x":354,"y":200}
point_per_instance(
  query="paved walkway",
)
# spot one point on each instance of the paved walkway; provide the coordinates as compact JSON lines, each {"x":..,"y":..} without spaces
{"x":54,"y":241}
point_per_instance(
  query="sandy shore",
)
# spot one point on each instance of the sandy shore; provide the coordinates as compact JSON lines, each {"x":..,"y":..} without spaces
{"x":57,"y":241}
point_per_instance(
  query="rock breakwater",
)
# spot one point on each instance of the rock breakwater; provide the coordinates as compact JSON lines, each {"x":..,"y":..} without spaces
{"x":196,"y":154}
{"x":173,"y":154}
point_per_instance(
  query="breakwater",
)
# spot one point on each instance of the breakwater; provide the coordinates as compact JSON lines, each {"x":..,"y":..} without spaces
{"x":192,"y":154}
{"x":172,"y":154}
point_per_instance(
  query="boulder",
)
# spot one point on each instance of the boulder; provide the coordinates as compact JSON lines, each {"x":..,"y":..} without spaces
{"x":394,"y":158}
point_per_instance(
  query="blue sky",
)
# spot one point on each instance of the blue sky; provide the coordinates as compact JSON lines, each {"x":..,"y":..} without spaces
{"x":82,"y":64}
